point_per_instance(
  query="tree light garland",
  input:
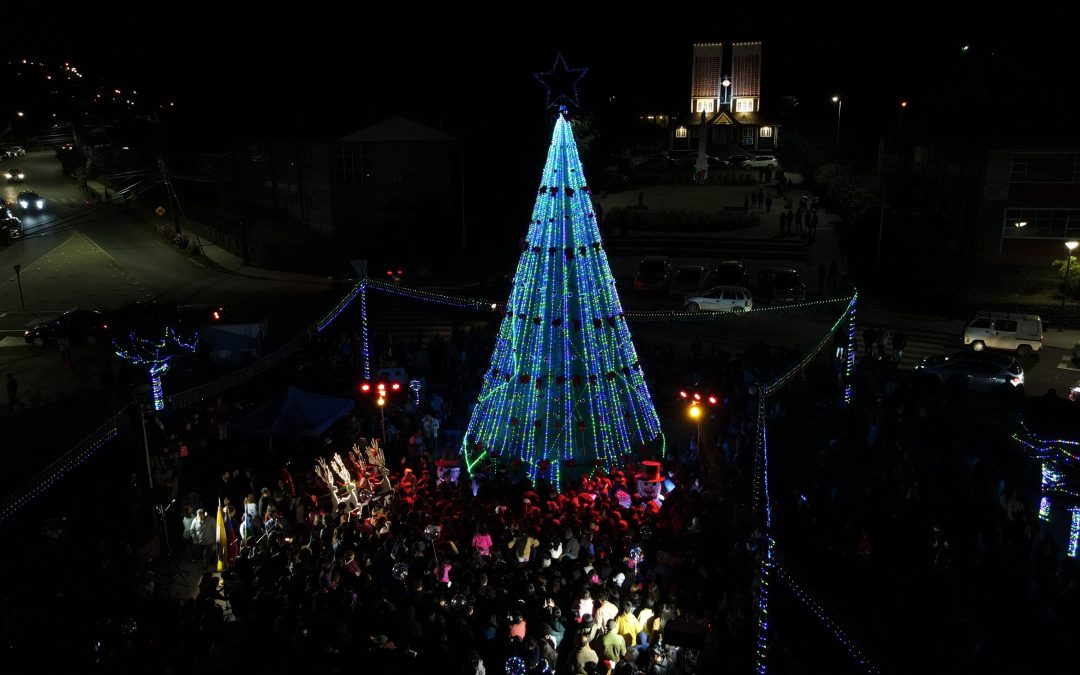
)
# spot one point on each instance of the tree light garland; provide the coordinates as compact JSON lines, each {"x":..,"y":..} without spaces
{"x":565,"y":382}
{"x":155,"y":357}
{"x":1074,"y":532}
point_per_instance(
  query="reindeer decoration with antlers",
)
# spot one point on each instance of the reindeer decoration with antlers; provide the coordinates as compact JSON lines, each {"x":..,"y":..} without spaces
{"x":326,"y":473}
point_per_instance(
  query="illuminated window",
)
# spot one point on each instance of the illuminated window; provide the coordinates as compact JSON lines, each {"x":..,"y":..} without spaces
{"x":765,"y":132}
{"x":744,"y":105}
{"x":680,"y":132}
{"x":748,"y":136}
{"x":704,"y":105}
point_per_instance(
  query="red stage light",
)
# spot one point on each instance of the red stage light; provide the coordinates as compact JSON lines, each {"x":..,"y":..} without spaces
{"x":712,"y":400}
{"x":365,"y":387}
{"x":395,"y":386}
{"x":683,"y":394}
{"x":697,"y":396}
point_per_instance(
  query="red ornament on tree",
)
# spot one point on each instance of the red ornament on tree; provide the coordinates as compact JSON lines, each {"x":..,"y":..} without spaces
{"x":524,"y":378}
{"x":560,"y":379}
{"x":575,"y":380}
{"x":557,"y":321}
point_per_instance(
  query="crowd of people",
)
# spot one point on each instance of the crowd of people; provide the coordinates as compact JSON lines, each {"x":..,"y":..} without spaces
{"x":461,"y":572}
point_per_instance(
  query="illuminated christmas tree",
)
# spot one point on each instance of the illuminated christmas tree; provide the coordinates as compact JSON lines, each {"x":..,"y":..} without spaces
{"x":565,"y":382}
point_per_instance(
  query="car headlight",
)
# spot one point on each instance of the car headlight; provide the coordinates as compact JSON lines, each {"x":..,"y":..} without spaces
{"x":23,"y":203}
{"x":40,"y":203}
{"x":7,"y":175}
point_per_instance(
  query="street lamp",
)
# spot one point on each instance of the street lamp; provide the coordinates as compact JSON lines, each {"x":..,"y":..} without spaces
{"x":839,"y":106}
{"x":1071,"y":246}
{"x":381,"y":391}
{"x":697,"y":412}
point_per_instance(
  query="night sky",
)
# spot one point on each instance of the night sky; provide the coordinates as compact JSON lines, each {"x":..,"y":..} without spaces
{"x":323,"y":75}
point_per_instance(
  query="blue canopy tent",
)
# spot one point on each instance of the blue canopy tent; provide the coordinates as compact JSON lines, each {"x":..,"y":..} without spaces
{"x":294,"y":413}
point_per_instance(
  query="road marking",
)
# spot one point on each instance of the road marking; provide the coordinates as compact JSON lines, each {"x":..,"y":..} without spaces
{"x":1066,"y":363}
{"x":13,"y":342}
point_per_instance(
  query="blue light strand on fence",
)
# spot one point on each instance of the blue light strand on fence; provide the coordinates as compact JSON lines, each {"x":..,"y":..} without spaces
{"x":68,"y":462}
{"x":366,"y":346}
{"x":431,"y":296}
{"x":761,"y":503}
{"x":816,"y":609}
{"x":779,"y":381}
{"x":342,"y":305}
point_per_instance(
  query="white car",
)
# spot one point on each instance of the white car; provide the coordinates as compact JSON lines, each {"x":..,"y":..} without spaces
{"x":721,"y":299}
{"x":761,"y":161}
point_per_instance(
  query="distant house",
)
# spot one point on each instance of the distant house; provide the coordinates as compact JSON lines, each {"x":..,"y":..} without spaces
{"x":726,"y":107}
{"x":397,"y":182}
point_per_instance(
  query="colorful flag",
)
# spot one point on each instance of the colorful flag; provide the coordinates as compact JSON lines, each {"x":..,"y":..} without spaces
{"x":221,"y":539}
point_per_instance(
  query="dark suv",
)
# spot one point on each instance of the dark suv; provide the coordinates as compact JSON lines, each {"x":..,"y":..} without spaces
{"x":653,"y":274}
{"x":780,"y":284}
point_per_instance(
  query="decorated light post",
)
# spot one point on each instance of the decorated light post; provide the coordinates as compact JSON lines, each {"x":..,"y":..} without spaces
{"x":155,"y":357}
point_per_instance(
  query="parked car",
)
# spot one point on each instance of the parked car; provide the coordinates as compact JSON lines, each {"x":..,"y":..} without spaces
{"x":79,"y":325}
{"x":731,"y":273}
{"x":761,"y":161}
{"x":10,"y":227}
{"x":780,"y":284}
{"x":14,"y":175}
{"x":31,"y":201}
{"x":1021,"y":333}
{"x":690,"y":279}
{"x":721,"y":299}
{"x":653,"y":274}
{"x":985,"y":373}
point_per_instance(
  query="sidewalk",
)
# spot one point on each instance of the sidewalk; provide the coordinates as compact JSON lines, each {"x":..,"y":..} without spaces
{"x":214,"y":255}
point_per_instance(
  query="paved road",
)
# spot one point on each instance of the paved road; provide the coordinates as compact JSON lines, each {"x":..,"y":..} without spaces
{"x":80,"y":253}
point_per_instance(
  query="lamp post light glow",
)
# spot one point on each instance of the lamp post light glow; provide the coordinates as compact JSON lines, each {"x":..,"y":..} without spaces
{"x":839,"y":106}
{"x":381,"y":391}
{"x":1071,"y":246}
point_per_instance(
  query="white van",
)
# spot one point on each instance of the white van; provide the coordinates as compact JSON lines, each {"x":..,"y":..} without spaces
{"x":1021,"y":333}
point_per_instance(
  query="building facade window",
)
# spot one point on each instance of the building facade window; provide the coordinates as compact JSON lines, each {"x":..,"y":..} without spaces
{"x":680,"y":132}
{"x":1041,"y":223}
{"x":765,"y":132}
{"x":748,"y":136}
{"x":349,"y":167}
{"x":1045,"y":167}
{"x":705,"y":105}
{"x":744,"y":105}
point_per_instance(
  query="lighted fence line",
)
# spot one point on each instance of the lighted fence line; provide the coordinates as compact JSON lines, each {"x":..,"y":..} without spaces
{"x":764,"y":508}
{"x":431,"y":296}
{"x":816,"y":609}
{"x":195,"y":394}
{"x":340,"y":307}
{"x":761,"y":498}
{"x":365,"y":347}
{"x":54,"y":472}
{"x":779,"y":381}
